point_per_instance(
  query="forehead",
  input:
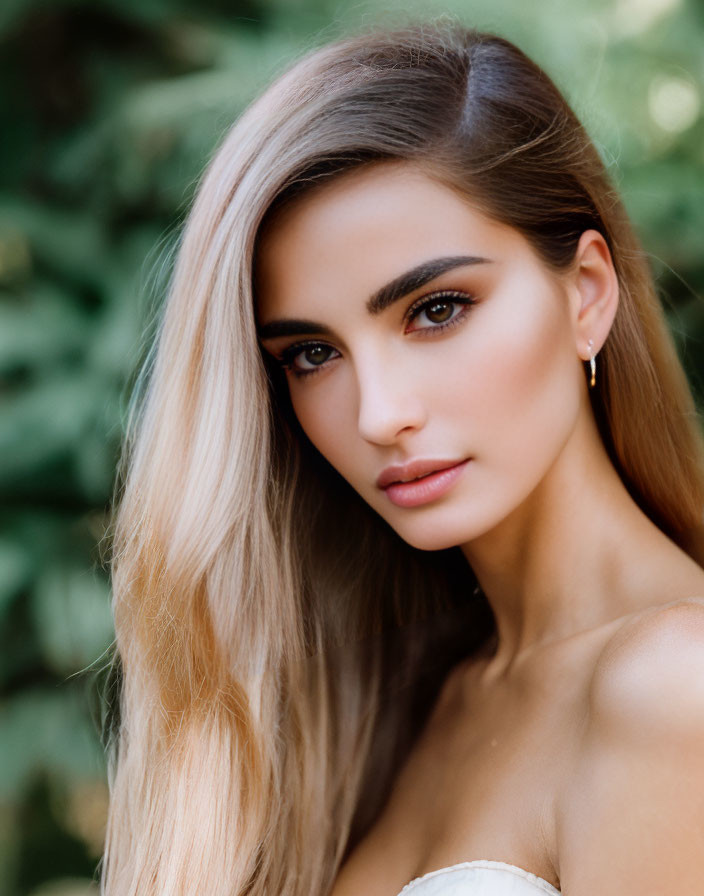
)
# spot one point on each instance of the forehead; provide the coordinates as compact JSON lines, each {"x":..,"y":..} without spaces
{"x":365,"y":227}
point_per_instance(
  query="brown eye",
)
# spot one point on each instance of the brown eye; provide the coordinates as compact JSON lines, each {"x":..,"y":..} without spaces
{"x":304,"y":358}
{"x":439,"y":312}
{"x":316,"y":354}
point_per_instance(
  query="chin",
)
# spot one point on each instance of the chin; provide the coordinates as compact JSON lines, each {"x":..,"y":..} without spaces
{"x":446,"y":527}
{"x":431,"y":538}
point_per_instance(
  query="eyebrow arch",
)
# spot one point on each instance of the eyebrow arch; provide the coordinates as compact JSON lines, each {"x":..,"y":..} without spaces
{"x":398,"y":288}
{"x":417,"y":277}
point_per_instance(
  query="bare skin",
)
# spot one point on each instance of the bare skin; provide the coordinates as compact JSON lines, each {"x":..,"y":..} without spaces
{"x":535,"y":753}
{"x":503,"y":771}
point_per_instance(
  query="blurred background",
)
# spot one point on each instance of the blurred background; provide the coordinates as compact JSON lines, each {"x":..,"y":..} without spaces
{"x":110,"y":110}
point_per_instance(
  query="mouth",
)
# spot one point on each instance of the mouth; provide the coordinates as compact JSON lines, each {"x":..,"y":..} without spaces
{"x":420,"y":481}
{"x":413,"y":471}
{"x":417,"y":478}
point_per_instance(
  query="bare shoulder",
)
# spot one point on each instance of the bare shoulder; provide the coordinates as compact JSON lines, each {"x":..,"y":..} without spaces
{"x":630,"y":817}
{"x":651,"y":670}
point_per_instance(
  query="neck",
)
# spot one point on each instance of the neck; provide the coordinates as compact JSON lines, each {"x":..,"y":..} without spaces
{"x":576,"y":554}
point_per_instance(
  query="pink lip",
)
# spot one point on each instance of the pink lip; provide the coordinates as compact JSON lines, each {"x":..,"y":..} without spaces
{"x":438,"y":477}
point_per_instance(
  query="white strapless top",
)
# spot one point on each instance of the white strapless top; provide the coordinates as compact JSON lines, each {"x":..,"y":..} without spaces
{"x":482,"y":877}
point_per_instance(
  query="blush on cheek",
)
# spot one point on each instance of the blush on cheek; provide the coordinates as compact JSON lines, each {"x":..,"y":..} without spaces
{"x":527,"y":401}
{"x":548,"y":396}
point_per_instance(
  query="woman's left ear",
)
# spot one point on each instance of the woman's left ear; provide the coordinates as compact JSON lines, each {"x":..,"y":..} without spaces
{"x":594,"y":293}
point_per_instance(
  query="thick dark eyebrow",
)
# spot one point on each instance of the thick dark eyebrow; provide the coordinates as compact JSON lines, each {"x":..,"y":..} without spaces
{"x":417,"y":277}
{"x":293,"y":328}
{"x":398,"y":288}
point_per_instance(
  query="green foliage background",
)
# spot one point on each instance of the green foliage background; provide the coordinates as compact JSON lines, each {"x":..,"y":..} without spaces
{"x":110,"y":112}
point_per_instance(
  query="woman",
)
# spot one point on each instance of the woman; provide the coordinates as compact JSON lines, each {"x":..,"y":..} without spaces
{"x":406,"y":262}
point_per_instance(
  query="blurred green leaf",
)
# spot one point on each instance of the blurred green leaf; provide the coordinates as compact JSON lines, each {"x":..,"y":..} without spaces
{"x":15,"y":570}
{"x":71,"y":608}
{"x":45,"y":421}
{"x":41,"y":330}
{"x":70,"y":886}
{"x":69,"y":243}
{"x":46,"y":731}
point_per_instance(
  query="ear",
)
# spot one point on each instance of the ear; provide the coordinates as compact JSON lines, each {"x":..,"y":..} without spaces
{"x":594,"y":293}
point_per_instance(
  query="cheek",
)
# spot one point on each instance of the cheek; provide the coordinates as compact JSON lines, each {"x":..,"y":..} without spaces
{"x":524,"y":395}
{"x":322,"y":412}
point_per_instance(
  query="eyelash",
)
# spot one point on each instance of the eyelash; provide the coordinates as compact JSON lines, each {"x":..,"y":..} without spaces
{"x":289,"y":354}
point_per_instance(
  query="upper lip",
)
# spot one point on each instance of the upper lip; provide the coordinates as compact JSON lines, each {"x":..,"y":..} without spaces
{"x":412,"y":470}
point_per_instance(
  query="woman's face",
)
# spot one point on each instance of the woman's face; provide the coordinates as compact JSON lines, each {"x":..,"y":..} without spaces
{"x":416,"y":331}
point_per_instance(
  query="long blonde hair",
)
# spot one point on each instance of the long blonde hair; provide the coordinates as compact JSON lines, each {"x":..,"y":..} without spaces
{"x":278,"y":644}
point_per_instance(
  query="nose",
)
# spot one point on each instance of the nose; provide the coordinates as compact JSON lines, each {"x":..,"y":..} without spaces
{"x":389,"y":404}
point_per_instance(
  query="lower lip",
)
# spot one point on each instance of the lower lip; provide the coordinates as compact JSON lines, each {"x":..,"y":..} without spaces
{"x":422,"y":491}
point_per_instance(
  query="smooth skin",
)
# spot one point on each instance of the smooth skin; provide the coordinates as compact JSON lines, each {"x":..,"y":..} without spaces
{"x":573,"y":744}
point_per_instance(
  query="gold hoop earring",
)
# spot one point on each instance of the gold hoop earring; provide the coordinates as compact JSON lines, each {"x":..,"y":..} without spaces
{"x":592,"y":364}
